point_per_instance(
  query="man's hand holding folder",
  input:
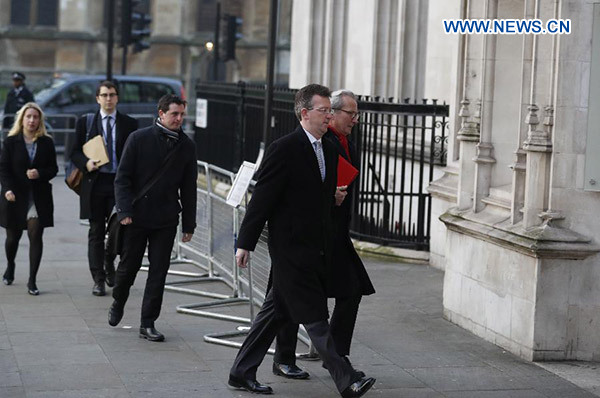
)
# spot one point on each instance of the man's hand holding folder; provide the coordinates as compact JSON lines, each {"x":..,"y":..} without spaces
{"x":346,"y":174}
{"x":95,"y":150}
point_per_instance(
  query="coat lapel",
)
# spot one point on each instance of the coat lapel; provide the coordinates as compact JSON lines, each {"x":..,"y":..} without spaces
{"x":330,"y":155}
{"x":309,"y":153}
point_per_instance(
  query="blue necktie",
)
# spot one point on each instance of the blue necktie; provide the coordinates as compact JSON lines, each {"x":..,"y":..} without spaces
{"x":109,"y":142}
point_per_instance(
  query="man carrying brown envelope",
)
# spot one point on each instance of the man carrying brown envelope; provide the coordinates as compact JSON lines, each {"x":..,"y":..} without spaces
{"x":97,"y":196}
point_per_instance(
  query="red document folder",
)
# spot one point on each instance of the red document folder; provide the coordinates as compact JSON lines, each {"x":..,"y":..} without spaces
{"x":346,"y":173}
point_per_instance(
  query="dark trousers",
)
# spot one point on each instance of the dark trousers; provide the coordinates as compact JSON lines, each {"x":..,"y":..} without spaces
{"x":341,"y":328}
{"x":160,"y":243}
{"x":102,"y":202}
{"x":262,"y":333}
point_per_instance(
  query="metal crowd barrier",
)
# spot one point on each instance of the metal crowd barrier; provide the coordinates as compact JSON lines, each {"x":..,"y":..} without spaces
{"x":214,"y":241}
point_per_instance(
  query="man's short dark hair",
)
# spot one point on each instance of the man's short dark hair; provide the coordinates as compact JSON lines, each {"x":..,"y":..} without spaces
{"x":303,"y":98}
{"x":108,"y":84}
{"x":166,"y":100}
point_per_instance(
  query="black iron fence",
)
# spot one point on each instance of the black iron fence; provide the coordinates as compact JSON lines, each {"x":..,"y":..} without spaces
{"x":401,"y":147}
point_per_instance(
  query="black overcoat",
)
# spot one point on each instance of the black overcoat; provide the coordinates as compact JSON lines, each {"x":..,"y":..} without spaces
{"x":347,"y":275}
{"x":175,"y":191}
{"x":14,"y":163}
{"x":125,"y":126}
{"x":15,"y":101}
{"x":297,"y":205}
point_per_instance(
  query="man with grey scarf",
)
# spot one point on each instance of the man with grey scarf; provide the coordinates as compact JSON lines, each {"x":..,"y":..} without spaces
{"x":156,"y":180}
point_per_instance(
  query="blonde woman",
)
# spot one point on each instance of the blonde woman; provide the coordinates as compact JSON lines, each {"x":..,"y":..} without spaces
{"x":27,"y":164}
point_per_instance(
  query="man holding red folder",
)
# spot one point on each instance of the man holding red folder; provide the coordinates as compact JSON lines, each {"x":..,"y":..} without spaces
{"x":295,"y":195}
{"x":347,"y":279}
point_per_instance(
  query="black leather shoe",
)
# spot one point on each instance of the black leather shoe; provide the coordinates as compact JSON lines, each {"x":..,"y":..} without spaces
{"x":289,"y":371}
{"x":151,"y":334}
{"x":110,"y":280}
{"x":32,"y":289}
{"x":115,"y":314}
{"x":99,"y":289}
{"x":7,"y":281}
{"x":249,"y":385}
{"x":358,"y":373}
{"x":358,"y":388}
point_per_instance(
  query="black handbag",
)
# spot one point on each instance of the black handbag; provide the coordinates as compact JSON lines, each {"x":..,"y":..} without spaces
{"x":116,"y":230}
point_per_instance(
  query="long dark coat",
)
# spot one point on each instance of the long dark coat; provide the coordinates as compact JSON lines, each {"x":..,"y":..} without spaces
{"x":347,"y":275}
{"x":125,"y":126}
{"x":173,"y":193}
{"x":297,"y":205}
{"x":14,"y":163}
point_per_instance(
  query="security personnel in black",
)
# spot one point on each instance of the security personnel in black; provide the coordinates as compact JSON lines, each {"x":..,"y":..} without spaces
{"x":97,"y":195}
{"x":18,"y":96}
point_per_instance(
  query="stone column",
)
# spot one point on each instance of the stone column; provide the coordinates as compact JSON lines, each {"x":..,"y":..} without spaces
{"x":539,"y":148}
{"x":484,"y":159}
{"x":468,"y":135}
{"x":518,"y":167}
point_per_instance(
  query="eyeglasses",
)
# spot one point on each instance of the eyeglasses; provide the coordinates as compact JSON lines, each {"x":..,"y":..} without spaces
{"x":323,"y":111}
{"x":354,"y":115}
{"x":109,"y":95}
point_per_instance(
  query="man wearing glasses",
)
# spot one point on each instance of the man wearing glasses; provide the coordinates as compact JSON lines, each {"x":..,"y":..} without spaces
{"x":295,"y":194}
{"x":97,"y":195}
{"x":347,"y":279}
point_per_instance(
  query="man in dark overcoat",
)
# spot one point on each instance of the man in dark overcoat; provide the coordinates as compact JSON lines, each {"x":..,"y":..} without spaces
{"x":18,"y":96}
{"x":295,"y":195}
{"x":347,"y":279}
{"x":97,"y":195}
{"x":165,"y":156}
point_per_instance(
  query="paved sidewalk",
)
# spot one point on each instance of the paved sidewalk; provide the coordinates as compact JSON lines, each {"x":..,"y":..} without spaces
{"x":60,"y":345}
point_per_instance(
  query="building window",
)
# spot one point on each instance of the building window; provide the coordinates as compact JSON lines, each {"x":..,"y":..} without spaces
{"x":47,"y":14}
{"x":207,"y":13}
{"x":34,"y":12}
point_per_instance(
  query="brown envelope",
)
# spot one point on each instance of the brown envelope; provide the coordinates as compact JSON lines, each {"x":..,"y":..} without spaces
{"x":95,"y":149}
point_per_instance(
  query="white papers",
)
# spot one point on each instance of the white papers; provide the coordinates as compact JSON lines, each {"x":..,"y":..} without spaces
{"x":201,"y":112}
{"x":240,"y":184}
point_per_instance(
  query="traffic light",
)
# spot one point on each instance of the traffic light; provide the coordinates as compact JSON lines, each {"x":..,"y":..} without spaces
{"x":123,"y":18}
{"x":140,"y":29}
{"x":135,"y":26}
{"x":232,"y":36}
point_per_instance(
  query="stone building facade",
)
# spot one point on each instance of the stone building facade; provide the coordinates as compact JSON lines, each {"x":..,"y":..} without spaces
{"x":520,"y":248}
{"x":516,"y":214}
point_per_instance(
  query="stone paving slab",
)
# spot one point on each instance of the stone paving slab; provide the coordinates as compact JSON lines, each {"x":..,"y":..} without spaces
{"x":59,"y":344}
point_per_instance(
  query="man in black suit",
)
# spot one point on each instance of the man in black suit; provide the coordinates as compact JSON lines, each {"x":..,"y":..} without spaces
{"x":97,"y":195}
{"x":163,"y":155}
{"x":295,"y":195}
{"x":347,"y":279}
{"x":18,"y":96}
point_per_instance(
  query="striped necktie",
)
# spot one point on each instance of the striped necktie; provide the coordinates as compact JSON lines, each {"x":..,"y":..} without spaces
{"x":320,"y":159}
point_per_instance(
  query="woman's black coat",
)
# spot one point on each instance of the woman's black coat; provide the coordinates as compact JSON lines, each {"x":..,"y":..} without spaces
{"x":14,"y":163}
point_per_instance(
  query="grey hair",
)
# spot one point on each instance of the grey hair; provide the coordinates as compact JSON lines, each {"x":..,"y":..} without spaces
{"x":337,"y":100}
